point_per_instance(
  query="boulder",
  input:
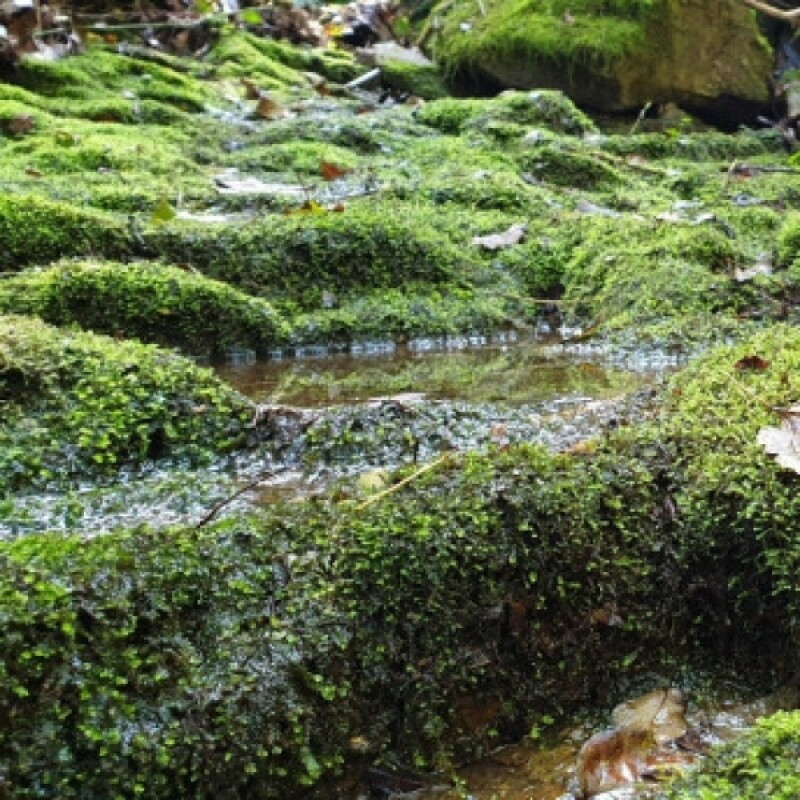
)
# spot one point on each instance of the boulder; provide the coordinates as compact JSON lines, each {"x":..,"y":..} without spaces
{"x":708,"y":57}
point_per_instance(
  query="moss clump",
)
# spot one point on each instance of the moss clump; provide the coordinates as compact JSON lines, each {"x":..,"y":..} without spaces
{"x":77,"y":404}
{"x":564,"y":166}
{"x":108,"y":86}
{"x":276,"y":65}
{"x":298,"y":158}
{"x":299,"y":258}
{"x":150,"y":302}
{"x":549,"y":109}
{"x":630,"y":271}
{"x":401,"y":314}
{"x":34,"y":230}
{"x":761,"y":763}
{"x":425,"y":81}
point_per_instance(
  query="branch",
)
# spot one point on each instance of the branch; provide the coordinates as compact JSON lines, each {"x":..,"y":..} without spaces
{"x":771,"y":11}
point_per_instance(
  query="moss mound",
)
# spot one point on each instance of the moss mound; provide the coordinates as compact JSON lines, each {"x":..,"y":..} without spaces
{"x":77,"y":404}
{"x":35,"y":230}
{"x":762,"y":763}
{"x":302,"y":256}
{"x":151,"y":302}
{"x":552,"y":110}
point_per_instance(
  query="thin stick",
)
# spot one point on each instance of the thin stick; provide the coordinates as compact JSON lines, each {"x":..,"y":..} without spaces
{"x":400,"y":484}
{"x":228,"y":500}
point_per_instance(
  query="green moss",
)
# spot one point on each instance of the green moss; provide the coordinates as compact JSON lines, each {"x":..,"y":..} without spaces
{"x":276,"y":65}
{"x":549,"y":109}
{"x":301,"y":157}
{"x":631,"y":271}
{"x":403,"y":314}
{"x":420,"y":80}
{"x":563,"y":166}
{"x":299,"y":258}
{"x":77,"y":404}
{"x":150,"y":302}
{"x":761,"y":763}
{"x":525,"y":29}
{"x":34,"y":230}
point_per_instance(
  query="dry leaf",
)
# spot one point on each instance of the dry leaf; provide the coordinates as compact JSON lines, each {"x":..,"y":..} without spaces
{"x":33,"y":173}
{"x":21,"y":125}
{"x":497,"y":241}
{"x":252,"y":92}
{"x":268,"y":109}
{"x":755,"y":363}
{"x":784,"y":442}
{"x":330,"y":172}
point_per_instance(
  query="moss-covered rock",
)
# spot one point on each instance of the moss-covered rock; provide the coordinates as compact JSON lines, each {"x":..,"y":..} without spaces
{"x":612,"y":56}
{"x":77,"y":404}
{"x":551,"y":110}
{"x":245,"y":657}
{"x":762,"y":763}
{"x":421,"y":80}
{"x":151,"y":302}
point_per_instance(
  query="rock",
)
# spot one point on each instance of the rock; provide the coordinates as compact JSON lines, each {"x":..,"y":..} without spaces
{"x":707,"y":57}
{"x":639,"y":747}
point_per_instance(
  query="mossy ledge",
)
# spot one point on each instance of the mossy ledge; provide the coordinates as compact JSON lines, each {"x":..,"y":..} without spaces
{"x":151,"y":302}
{"x":244,"y":659}
{"x":76,"y":405}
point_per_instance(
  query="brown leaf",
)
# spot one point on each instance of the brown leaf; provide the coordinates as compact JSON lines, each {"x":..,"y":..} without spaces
{"x":33,"y":173}
{"x":252,"y":92}
{"x":755,"y":363}
{"x":497,"y":241}
{"x":784,"y":443}
{"x":268,"y":109}
{"x":331,"y":172}
{"x":21,"y":125}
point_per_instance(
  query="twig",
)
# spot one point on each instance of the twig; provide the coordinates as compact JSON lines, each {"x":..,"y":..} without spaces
{"x":228,"y":500}
{"x":400,"y":484}
{"x":771,"y":11}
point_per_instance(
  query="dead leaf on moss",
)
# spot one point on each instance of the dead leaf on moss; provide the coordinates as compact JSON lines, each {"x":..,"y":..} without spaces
{"x":331,"y":172}
{"x":497,"y":241}
{"x":784,"y":443}
{"x":762,"y":266}
{"x":751,"y":363}
{"x":269,"y":109}
{"x":21,"y":125}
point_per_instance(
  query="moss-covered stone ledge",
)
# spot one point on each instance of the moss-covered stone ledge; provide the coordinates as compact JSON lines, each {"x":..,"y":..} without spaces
{"x":151,"y":302}
{"x":254,"y":657}
{"x":77,"y":405}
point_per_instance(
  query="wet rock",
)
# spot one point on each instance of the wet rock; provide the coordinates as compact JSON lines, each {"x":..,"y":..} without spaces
{"x":642,"y":746}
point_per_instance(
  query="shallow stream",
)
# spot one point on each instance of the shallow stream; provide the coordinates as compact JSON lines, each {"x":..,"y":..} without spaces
{"x":334,"y":416}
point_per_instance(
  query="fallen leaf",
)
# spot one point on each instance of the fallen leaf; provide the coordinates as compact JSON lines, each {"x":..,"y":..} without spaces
{"x":21,"y":125}
{"x":784,"y":442}
{"x":331,"y":172}
{"x":252,"y":92}
{"x":33,"y":173}
{"x":497,"y":241}
{"x":755,"y":363}
{"x":309,"y":207}
{"x":163,"y":211}
{"x":268,"y":109}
